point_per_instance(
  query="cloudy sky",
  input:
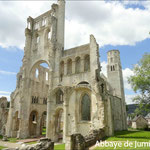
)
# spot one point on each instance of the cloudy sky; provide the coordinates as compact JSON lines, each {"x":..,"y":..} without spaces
{"x":116,"y":25}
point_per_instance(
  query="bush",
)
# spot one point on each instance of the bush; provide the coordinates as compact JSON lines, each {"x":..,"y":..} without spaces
{"x":146,"y":128}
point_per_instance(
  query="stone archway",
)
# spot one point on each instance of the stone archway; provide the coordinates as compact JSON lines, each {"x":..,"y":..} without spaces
{"x":43,"y":124}
{"x":33,"y":121}
{"x":59,"y":124}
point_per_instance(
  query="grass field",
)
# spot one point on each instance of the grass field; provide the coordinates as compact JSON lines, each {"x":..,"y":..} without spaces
{"x":59,"y":147}
{"x":136,"y":140}
{"x":1,"y":147}
{"x":44,"y":131}
{"x":120,"y":137}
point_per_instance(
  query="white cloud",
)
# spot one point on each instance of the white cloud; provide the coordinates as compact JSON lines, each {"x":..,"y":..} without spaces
{"x":4,"y":92}
{"x":7,"y":72}
{"x":127,"y":72}
{"x":110,"y":22}
{"x":13,"y":20}
{"x":104,"y":68}
{"x":128,"y":99}
{"x":7,"y":96}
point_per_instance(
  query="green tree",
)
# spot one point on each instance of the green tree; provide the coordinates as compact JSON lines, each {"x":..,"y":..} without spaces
{"x":140,"y":83}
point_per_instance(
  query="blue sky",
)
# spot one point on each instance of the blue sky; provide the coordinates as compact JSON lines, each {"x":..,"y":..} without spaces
{"x":116,"y":25}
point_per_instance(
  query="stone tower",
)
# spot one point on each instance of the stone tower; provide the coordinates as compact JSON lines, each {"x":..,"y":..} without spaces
{"x":115,"y":79}
{"x":44,"y":43}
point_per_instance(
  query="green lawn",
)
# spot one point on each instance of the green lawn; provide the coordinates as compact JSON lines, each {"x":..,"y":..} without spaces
{"x":130,"y":136}
{"x":12,"y":140}
{"x":134,"y":138}
{"x":59,"y":147}
{"x":44,"y":131}
{"x":2,"y":147}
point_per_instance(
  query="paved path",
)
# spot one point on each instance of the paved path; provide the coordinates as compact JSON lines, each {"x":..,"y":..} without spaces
{"x":10,"y":145}
{"x":28,"y":140}
{"x":92,"y":148}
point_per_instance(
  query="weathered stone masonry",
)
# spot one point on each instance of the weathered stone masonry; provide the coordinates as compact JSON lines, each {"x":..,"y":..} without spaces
{"x":71,"y":91}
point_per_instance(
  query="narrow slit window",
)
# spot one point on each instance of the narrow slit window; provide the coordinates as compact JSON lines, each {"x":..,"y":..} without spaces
{"x":46,"y":76}
{"x":37,"y":73}
{"x":49,"y":35}
{"x":37,"y":39}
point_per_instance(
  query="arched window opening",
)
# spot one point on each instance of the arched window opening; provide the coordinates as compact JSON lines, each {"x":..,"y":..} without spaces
{"x":33,"y":121}
{"x":36,"y":26}
{"x":43,"y":124}
{"x":59,"y":97}
{"x":34,"y":117}
{"x":40,"y":72}
{"x":49,"y":35}
{"x":37,"y":39}
{"x":77,"y":65}
{"x":45,"y":101}
{"x":113,"y":68}
{"x":69,"y":66}
{"x":59,"y":124}
{"x":46,"y":76}
{"x":29,"y":25}
{"x":86,"y":108}
{"x":35,"y":99}
{"x":87,"y":63}
{"x":37,"y":73}
{"x":43,"y":22}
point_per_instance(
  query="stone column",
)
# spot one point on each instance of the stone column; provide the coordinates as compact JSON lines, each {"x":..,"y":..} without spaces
{"x":50,"y":120}
{"x":76,"y":112}
{"x":50,"y":110}
{"x":38,"y":129}
{"x":73,"y":67}
{"x":110,"y":130}
{"x":65,"y":123}
{"x":10,"y":120}
{"x":24,"y":115}
{"x":23,"y":128}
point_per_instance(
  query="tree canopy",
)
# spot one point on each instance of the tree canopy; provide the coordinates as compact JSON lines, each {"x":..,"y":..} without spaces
{"x":140,"y":83}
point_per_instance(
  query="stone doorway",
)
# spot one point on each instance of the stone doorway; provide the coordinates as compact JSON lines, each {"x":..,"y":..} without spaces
{"x":33,"y":122}
{"x":43,"y":124}
{"x":59,"y":125}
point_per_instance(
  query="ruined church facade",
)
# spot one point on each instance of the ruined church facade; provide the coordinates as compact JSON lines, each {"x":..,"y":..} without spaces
{"x":70,"y":95}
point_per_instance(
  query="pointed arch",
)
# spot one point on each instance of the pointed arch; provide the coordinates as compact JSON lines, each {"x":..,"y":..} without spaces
{"x":69,"y":66}
{"x":87,"y":63}
{"x":77,"y":64}
{"x":85,"y":108}
{"x":59,"y":96}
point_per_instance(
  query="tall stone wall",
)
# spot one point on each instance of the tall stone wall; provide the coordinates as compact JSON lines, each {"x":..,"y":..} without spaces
{"x":4,"y":108}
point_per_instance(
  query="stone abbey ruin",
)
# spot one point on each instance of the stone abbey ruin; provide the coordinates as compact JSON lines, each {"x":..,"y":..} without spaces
{"x":70,"y":95}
